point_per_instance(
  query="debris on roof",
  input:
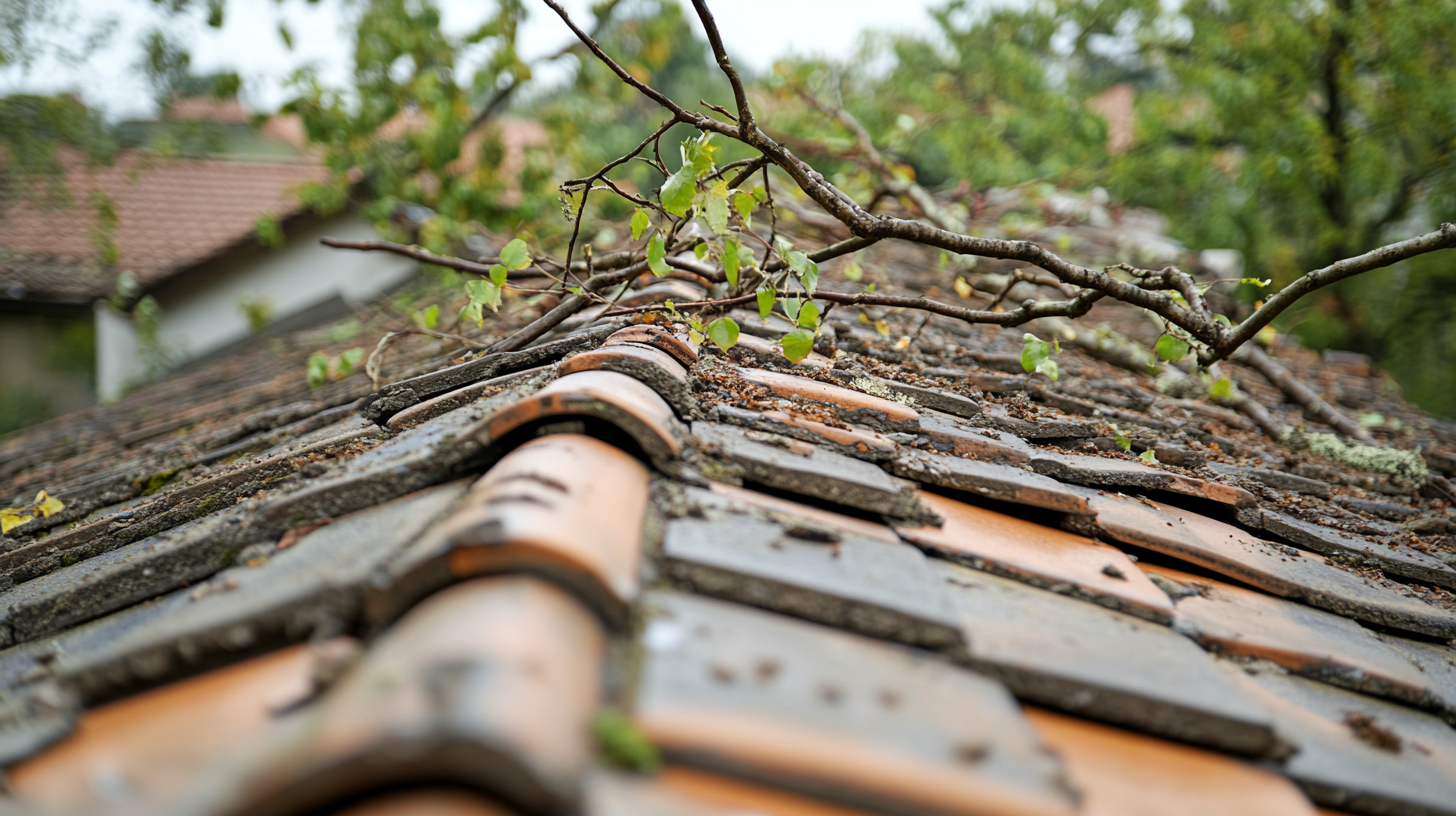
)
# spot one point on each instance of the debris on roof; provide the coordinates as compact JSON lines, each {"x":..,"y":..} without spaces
{"x":617,"y":572}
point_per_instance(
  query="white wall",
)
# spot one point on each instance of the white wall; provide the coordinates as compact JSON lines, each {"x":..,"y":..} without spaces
{"x":201,"y":310}
{"x":118,"y":363}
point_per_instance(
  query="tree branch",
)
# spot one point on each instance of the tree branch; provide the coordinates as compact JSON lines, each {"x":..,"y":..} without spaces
{"x":1300,"y":394}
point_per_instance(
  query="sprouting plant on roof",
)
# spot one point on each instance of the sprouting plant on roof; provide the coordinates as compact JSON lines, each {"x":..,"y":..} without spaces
{"x":1036,"y":356}
{"x":258,"y":311}
{"x":43,"y":506}
{"x":622,"y":744}
{"x":324,"y":369}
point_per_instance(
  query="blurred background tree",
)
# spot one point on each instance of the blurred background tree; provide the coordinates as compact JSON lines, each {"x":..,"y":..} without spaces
{"x":1295,"y":132}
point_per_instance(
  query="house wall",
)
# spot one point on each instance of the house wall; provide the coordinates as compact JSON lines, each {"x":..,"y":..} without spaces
{"x":45,"y":364}
{"x":202,"y":311}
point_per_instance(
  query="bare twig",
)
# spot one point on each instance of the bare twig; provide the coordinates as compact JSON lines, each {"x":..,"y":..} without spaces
{"x":1300,"y":394}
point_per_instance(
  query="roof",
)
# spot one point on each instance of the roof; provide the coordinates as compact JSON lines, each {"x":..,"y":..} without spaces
{"x":893,"y":578}
{"x":172,"y":214}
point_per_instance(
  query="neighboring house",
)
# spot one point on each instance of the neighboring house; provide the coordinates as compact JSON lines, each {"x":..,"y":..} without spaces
{"x":185,"y":234}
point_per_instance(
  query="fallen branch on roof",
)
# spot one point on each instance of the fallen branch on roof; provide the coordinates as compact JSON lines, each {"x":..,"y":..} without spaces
{"x":1300,"y":394}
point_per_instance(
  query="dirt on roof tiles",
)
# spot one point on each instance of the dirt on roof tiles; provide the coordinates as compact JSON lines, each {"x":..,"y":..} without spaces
{"x":616,"y":572}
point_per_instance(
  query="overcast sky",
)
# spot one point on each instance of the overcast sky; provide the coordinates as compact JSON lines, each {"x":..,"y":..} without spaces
{"x":755,"y":32}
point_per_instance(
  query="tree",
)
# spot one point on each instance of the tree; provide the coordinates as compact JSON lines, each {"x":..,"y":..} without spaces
{"x":712,"y":199}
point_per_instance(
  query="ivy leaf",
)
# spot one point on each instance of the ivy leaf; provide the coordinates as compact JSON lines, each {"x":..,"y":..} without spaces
{"x":44,"y":505}
{"x":1171,"y":348}
{"x":765,"y":303}
{"x":810,"y":278}
{"x":498,"y":275}
{"x":677,"y":192}
{"x":745,"y":204}
{"x":1050,"y":368}
{"x":473,"y":313}
{"x":723,"y":332}
{"x":575,"y":290}
{"x":730,"y":261}
{"x":1223,"y":319}
{"x":1221,"y":389}
{"x":348,"y":360}
{"x":318,"y":369}
{"x":1149,"y":457}
{"x":1256,"y":282}
{"x":797,"y":345}
{"x":700,"y":251}
{"x":514,"y":255}
{"x":1122,"y":440}
{"x":14,"y":517}
{"x":640,"y":222}
{"x":882,"y":328}
{"x":797,"y":261}
{"x":809,"y":316}
{"x":962,"y":288}
{"x":1034,"y":352}
{"x":657,"y":255}
{"x":853,"y":271}
{"x":715,"y":207}
{"x":791,"y":308}
{"x":429,"y":318}
{"x":759,"y":194}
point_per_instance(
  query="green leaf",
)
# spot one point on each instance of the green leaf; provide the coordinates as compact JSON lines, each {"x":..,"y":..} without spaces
{"x":1122,"y":440}
{"x":715,"y":207}
{"x":1171,"y":348}
{"x":622,"y":744}
{"x":797,"y":345}
{"x":575,"y":290}
{"x":348,"y":360}
{"x":429,"y":318}
{"x":723,"y":332}
{"x":677,"y":192}
{"x":640,"y":222}
{"x":699,"y":153}
{"x":498,"y":275}
{"x":791,"y":308}
{"x":700,"y":251}
{"x":473,"y":313}
{"x":1034,"y":352}
{"x":478,"y":290}
{"x":745,"y":204}
{"x":809,"y":316}
{"x":797,"y":261}
{"x":1256,"y":282}
{"x":318,"y":369}
{"x":1050,"y":368}
{"x":853,"y":271}
{"x":657,"y":255}
{"x":1221,"y":389}
{"x":1148,"y":456}
{"x":514,"y":255}
{"x":730,"y":261}
{"x":759,"y":194}
{"x":783,"y":247}
{"x":765,"y":303}
{"x":810,"y":278}
{"x":1223,"y":319}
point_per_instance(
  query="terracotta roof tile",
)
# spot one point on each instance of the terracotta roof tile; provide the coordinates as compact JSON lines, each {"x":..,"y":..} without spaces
{"x":229,"y":512}
{"x":171,"y":214}
{"x":1042,"y":556}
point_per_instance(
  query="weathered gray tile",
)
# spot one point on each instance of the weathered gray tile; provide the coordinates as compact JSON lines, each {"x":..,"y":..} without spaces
{"x":1318,"y":644}
{"x":1396,"y":560}
{"x":1276,"y":568}
{"x":1356,"y":753}
{"x":314,"y":587}
{"x":860,"y":444}
{"x":1277,"y":479}
{"x":950,"y":435}
{"x":805,"y":469}
{"x":1437,"y":664}
{"x":1102,"y":664}
{"x":395,"y":397}
{"x":994,"y":415}
{"x":882,"y":590}
{"x":839,"y":716}
{"x":993,"y":481}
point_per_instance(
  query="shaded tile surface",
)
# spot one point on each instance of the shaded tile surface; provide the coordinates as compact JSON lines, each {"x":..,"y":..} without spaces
{"x":1102,"y":664}
{"x":831,"y":714}
{"x":1041,"y":556}
{"x":878,"y":589}
{"x":1356,"y":753}
{"x":993,"y":481}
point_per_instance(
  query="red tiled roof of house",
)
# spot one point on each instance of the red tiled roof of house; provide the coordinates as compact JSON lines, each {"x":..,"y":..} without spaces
{"x":171,"y":214}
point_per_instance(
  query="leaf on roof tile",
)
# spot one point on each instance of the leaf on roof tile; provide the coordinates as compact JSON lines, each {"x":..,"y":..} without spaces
{"x":44,"y":505}
{"x":622,"y":744}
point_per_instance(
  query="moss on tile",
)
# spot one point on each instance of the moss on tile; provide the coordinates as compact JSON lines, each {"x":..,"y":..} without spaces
{"x":1405,"y":468}
{"x":622,"y":744}
{"x":878,"y":389}
{"x":151,"y":484}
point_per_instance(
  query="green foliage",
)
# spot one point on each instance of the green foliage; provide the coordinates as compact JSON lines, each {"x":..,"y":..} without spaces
{"x":723,"y":332}
{"x":1170,"y":348}
{"x":258,"y":310}
{"x":1222,"y":388}
{"x":640,"y":222}
{"x":324,"y":369}
{"x":797,"y":345}
{"x":31,"y":128}
{"x":657,"y":255}
{"x":765,"y":303}
{"x":622,"y":744}
{"x":269,"y":231}
{"x":1036,"y":357}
